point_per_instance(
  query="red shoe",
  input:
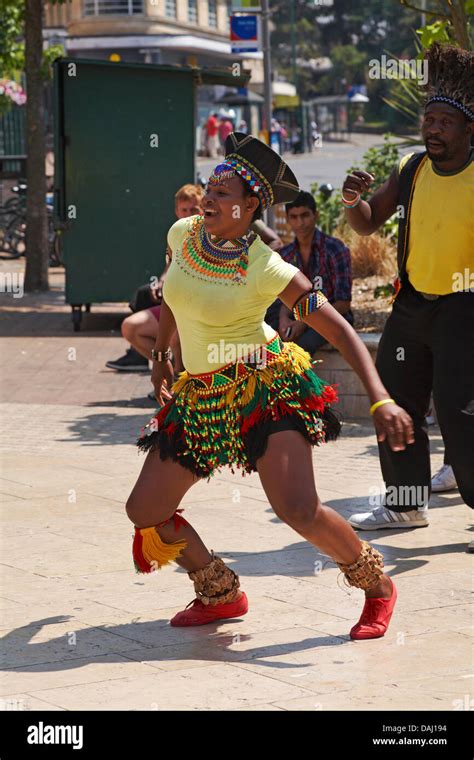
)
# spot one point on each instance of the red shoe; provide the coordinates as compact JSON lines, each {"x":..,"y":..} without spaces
{"x":375,"y":617}
{"x":200,"y":614}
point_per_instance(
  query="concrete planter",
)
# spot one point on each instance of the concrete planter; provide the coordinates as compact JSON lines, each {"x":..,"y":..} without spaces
{"x":353,"y":400}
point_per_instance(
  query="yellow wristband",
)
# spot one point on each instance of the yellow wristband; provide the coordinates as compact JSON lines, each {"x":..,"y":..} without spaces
{"x":379,"y":403}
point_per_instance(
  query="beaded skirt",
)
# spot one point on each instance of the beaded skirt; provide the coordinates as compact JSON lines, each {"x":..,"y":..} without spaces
{"x":224,"y":417}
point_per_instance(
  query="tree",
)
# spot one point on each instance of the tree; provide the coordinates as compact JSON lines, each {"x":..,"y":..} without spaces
{"x":36,"y":272}
{"x":349,"y":65}
{"x":450,"y":16}
{"x":21,"y":52}
{"x":406,"y":97}
{"x":320,"y":30}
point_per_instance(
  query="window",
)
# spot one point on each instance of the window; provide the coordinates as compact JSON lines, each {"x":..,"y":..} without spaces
{"x":117,"y":7}
{"x":192,"y":11}
{"x":212,"y":13}
{"x":170,"y":8}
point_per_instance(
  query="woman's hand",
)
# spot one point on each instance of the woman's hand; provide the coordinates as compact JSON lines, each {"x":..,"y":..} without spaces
{"x":290,"y":329}
{"x":394,"y":424}
{"x":283,"y":324}
{"x":297,"y":328}
{"x":162,"y":378}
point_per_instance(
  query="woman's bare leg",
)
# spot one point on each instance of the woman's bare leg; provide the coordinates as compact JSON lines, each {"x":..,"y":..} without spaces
{"x":286,"y":474}
{"x":155,"y":497}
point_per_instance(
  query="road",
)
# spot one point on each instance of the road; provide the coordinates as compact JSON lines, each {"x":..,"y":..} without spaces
{"x":327,"y":164}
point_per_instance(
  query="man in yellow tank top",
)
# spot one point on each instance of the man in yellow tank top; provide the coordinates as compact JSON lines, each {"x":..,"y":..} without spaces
{"x":428,"y":341}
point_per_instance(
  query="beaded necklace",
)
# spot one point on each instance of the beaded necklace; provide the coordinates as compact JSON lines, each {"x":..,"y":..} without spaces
{"x":215,"y":260}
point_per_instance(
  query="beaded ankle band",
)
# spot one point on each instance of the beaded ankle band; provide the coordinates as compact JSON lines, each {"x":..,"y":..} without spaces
{"x":366,"y":571}
{"x":215,"y":583}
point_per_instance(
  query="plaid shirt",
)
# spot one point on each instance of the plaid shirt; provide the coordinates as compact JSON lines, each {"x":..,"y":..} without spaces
{"x":330,"y":259}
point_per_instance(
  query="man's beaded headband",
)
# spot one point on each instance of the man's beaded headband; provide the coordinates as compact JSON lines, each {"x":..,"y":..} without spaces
{"x":452,"y":102}
{"x":232,"y":165}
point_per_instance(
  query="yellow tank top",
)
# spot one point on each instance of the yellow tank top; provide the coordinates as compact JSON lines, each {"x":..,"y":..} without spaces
{"x":219,"y":320}
{"x":441,"y":240}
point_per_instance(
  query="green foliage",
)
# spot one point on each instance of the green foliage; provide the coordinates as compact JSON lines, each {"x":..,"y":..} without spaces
{"x":49,"y":56}
{"x":12,"y":49}
{"x":448,"y":21}
{"x":449,"y":27}
{"x":378,"y":161}
{"x":438,"y":31}
{"x":349,"y":64}
{"x":329,"y":209}
{"x":12,"y":44}
{"x":349,"y":34}
{"x":384,"y":291}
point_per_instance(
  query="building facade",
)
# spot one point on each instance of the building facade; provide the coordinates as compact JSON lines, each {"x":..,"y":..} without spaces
{"x":175,"y":32}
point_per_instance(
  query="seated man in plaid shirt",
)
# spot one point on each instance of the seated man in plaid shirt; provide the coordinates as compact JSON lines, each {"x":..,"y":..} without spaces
{"x":325,"y":260}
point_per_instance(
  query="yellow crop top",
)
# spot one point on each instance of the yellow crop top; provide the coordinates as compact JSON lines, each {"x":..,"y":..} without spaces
{"x":219,"y":321}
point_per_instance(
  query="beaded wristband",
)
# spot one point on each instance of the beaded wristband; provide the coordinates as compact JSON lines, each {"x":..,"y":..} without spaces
{"x":379,"y":403}
{"x":313,"y":301}
{"x":161,"y":356}
{"x":350,"y":203}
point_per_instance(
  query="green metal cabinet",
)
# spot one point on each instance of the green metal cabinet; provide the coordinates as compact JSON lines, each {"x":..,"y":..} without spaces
{"x":124,"y":143}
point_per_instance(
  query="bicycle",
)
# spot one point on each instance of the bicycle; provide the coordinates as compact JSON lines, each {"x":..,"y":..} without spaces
{"x":13,"y":227}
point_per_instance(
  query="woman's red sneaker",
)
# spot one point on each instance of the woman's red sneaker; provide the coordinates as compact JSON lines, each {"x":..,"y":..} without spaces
{"x":375,"y":617}
{"x":200,"y":614}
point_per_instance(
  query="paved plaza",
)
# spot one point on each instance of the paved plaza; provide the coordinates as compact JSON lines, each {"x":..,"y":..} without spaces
{"x":81,"y":630}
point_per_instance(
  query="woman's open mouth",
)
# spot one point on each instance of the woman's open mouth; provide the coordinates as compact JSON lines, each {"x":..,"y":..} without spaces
{"x":210,"y":213}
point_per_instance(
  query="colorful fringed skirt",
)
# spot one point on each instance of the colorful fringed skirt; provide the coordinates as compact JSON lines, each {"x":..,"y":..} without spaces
{"x":224,"y":417}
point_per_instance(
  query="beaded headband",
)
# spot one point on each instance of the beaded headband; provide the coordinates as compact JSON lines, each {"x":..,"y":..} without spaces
{"x":452,"y":102}
{"x":232,"y":165}
{"x":221,"y":172}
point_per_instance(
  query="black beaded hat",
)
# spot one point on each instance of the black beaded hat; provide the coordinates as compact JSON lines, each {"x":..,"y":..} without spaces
{"x":261,"y":167}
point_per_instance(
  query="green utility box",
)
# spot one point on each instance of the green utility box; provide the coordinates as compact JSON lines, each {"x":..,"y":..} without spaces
{"x":124,"y":143}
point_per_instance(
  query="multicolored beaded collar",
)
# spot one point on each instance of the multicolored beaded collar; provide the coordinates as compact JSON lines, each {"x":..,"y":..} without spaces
{"x":215,"y":260}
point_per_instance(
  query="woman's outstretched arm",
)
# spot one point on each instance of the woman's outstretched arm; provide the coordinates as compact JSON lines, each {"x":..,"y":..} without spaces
{"x":391,"y":421}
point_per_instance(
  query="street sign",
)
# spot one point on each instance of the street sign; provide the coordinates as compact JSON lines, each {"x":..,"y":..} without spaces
{"x":246,"y":5}
{"x":245,"y":33}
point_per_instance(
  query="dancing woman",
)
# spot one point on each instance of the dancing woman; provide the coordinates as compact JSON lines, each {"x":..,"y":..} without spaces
{"x":260,"y":408}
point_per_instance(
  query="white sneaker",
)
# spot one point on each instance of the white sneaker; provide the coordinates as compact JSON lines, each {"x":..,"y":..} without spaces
{"x":470,"y":546}
{"x":381,"y":517}
{"x":444,"y":479}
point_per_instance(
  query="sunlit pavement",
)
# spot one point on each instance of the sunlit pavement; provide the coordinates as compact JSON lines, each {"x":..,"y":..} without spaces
{"x":81,"y":630}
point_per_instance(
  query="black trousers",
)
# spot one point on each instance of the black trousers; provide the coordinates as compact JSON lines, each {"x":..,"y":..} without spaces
{"x":428,"y":346}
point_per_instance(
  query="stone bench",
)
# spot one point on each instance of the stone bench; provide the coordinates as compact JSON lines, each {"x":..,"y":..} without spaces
{"x":353,"y":400}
